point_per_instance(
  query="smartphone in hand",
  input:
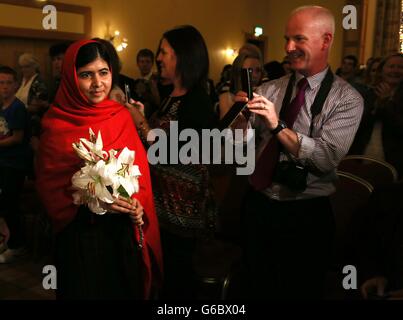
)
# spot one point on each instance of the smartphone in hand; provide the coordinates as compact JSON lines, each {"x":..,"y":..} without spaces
{"x":246,"y":80}
{"x":127,"y":93}
{"x":238,"y":107}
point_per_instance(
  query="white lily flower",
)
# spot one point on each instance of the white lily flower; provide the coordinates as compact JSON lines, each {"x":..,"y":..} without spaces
{"x":127,"y":173}
{"x":84,"y":197}
{"x":93,"y":180}
{"x":90,"y":150}
{"x":103,"y":170}
{"x":92,"y":135}
{"x":82,"y":151}
{"x":95,"y":206}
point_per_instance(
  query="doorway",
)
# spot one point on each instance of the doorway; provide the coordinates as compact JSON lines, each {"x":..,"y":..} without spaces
{"x":260,"y":42}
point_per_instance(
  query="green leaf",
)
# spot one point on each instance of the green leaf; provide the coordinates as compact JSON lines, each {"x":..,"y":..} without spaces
{"x":122,"y":191}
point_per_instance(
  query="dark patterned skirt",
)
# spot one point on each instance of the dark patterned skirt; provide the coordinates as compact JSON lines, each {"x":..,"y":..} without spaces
{"x":97,"y":258}
{"x":184,"y":200}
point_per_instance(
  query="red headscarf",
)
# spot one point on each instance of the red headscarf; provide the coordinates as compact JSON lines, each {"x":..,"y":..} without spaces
{"x":69,"y":119}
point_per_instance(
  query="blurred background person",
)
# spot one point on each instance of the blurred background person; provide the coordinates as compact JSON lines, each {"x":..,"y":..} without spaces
{"x":245,"y":60}
{"x":225,"y":78}
{"x":286,"y":65}
{"x":56,"y":54}
{"x":145,"y":87}
{"x":33,"y":91}
{"x":348,"y":69}
{"x":274,"y":70}
{"x":390,"y":74}
{"x":15,"y":157}
{"x":370,"y":74}
{"x":379,"y":89}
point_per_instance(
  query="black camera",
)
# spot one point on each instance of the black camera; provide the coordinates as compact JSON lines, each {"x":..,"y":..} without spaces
{"x":291,"y":174}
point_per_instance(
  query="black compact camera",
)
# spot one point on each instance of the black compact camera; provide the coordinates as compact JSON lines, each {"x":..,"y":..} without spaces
{"x":291,"y":174}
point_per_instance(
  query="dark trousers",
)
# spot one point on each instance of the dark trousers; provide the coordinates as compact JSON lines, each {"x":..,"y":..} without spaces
{"x":288,"y":246}
{"x":11,"y":185}
{"x":97,"y":258}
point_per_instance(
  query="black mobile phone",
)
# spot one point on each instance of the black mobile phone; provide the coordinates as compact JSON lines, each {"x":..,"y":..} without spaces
{"x":238,"y":107}
{"x":127,"y":92}
{"x":246,"y":79}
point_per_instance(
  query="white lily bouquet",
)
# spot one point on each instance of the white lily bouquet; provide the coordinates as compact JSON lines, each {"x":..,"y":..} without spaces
{"x":104,"y":176}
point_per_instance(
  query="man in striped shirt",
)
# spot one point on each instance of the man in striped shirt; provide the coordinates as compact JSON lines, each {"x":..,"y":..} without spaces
{"x":290,"y":229}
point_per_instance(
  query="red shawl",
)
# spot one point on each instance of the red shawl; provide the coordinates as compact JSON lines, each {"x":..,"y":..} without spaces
{"x":69,"y":119}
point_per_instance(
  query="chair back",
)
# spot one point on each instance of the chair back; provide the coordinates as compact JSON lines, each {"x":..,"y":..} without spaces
{"x":376,"y":172}
{"x":352,"y":193}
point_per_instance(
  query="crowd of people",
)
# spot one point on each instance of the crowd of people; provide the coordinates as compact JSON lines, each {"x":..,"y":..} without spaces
{"x":305,"y":120}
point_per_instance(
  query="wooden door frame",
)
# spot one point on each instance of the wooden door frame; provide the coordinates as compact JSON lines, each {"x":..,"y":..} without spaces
{"x":262,"y":38}
{"x":48,"y":34}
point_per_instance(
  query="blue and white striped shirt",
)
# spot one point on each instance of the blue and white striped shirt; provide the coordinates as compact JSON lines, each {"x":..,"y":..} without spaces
{"x":333,"y":132}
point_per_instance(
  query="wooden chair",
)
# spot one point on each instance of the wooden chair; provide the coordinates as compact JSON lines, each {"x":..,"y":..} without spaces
{"x":352,"y":193}
{"x":215,"y":262}
{"x":377,"y":172}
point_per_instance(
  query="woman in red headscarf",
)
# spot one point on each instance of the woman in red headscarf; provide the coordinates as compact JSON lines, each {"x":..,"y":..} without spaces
{"x":96,"y":255}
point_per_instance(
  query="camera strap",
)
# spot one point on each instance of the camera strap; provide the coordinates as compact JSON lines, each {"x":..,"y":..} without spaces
{"x":320,"y":98}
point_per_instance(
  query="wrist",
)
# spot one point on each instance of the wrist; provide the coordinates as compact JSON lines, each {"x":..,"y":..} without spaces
{"x":273,"y":125}
{"x":279,"y":127}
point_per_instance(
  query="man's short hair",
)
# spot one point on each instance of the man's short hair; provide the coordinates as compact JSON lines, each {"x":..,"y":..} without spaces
{"x":58,"y":48}
{"x":319,"y":12}
{"x":353,"y":58}
{"x":8,"y":70}
{"x":147,"y":53}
